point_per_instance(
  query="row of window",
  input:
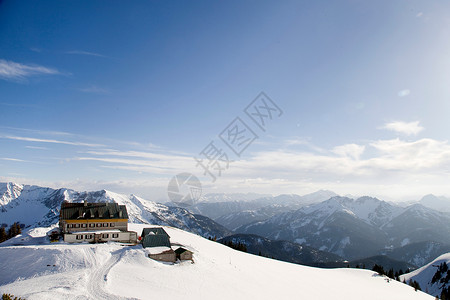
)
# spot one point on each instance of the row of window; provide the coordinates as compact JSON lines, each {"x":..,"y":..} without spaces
{"x":91,"y":225}
{"x":91,"y":236}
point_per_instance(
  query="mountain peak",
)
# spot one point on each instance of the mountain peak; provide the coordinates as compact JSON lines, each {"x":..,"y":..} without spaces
{"x":440,"y":203}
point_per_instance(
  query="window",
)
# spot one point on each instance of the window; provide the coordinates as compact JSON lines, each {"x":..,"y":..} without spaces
{"x":105,"y":224}
{"x":105,"y":235}
{"x":88,"y":236}
{"x":69,"y":225}
{"x":83,"y":225}
{"x":115,"y":235}
{"x":79,"y":236}
{"x":77,"y":225}
{"x":92,"y":225}
{"x":99,"y":225}
{"x":111,"y":224}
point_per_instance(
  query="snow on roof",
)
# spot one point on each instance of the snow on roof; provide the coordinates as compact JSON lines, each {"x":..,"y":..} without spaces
{"x":156,"y":250}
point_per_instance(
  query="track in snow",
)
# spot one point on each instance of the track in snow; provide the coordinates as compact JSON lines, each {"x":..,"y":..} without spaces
{"x":98,"y":275}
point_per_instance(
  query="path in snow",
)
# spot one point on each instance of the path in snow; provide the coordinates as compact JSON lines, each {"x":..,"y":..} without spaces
{"x":98,"y":274}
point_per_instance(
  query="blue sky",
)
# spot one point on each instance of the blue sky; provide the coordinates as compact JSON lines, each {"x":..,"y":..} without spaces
{"x":119,"y":95}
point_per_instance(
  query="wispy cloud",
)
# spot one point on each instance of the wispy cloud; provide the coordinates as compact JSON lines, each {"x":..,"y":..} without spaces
{"x":404,"y":93}
{"x":81,"y":52}
{"x":36,"y":147}
{"x":30,"y":139}
{"x":303,"y":142}
{"x":10,"y":70}
{"x":149,"y":162}
{"x":408,"y":128}
{"x":94,"y":90}
{"x":12,"y":159}
{"x":38,"y":131}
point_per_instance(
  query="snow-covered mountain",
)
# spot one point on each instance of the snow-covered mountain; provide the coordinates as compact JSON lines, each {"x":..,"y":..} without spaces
{"x":37,"y":206}
{"x":111,"y":271}
{"x":433,"y":277}
{"x":355,"y":228}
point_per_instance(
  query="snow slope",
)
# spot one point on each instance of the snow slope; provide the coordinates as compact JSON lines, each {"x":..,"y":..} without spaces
{"x":112,"y":271}
{"x":424,"y":276}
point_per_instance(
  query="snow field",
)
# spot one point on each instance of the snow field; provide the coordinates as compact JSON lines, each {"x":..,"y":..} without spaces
{"x":113,"y":271}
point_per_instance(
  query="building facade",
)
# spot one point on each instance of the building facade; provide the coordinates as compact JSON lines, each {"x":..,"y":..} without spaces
{"x":95,"y":222}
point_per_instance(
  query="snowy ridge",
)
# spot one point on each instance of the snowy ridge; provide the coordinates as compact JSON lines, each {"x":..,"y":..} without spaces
{"x":110,"y":271}
{"x":370,"y":210}
{"x":424,"y":276}
{"x":9,"y":191}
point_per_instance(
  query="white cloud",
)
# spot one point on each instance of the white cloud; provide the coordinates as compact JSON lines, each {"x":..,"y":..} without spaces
{"x":16,"y":71}
{"x":420,"y":14}
{"x":408,"y":128}
{"x":422,"y":155}
{"x":404,"y":93}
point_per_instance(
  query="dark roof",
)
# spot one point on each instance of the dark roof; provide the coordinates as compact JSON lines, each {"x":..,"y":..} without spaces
{"x":156,"y":240}
{"x":181,"y":250}
{"x":74,"y":211}
{"x":155,"y":230}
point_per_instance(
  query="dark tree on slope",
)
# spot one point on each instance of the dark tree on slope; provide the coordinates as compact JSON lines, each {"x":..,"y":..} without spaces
{"x":14,"y":230}
{"x":10,"y":297}
{"x":445,"y":294}
{"x":239,"y":246}
{"x":415,"y":285}
{"x":379,"y":269}
{"x":3,"y":235}
{"x":442,"y":274}
{"x":390,"y":274}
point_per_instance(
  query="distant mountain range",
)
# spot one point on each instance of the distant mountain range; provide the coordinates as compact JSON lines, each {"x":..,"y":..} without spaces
{"x":235,"y":211}
{"x":354,"y":229}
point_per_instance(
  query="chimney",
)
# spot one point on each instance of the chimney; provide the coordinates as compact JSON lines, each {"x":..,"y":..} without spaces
{"x":85,"y":203}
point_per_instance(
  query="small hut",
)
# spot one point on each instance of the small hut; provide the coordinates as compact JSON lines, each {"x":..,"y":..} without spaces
{"x":162,"y":254}
{"x":155,"y":237}
{"x":183,"y":254}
